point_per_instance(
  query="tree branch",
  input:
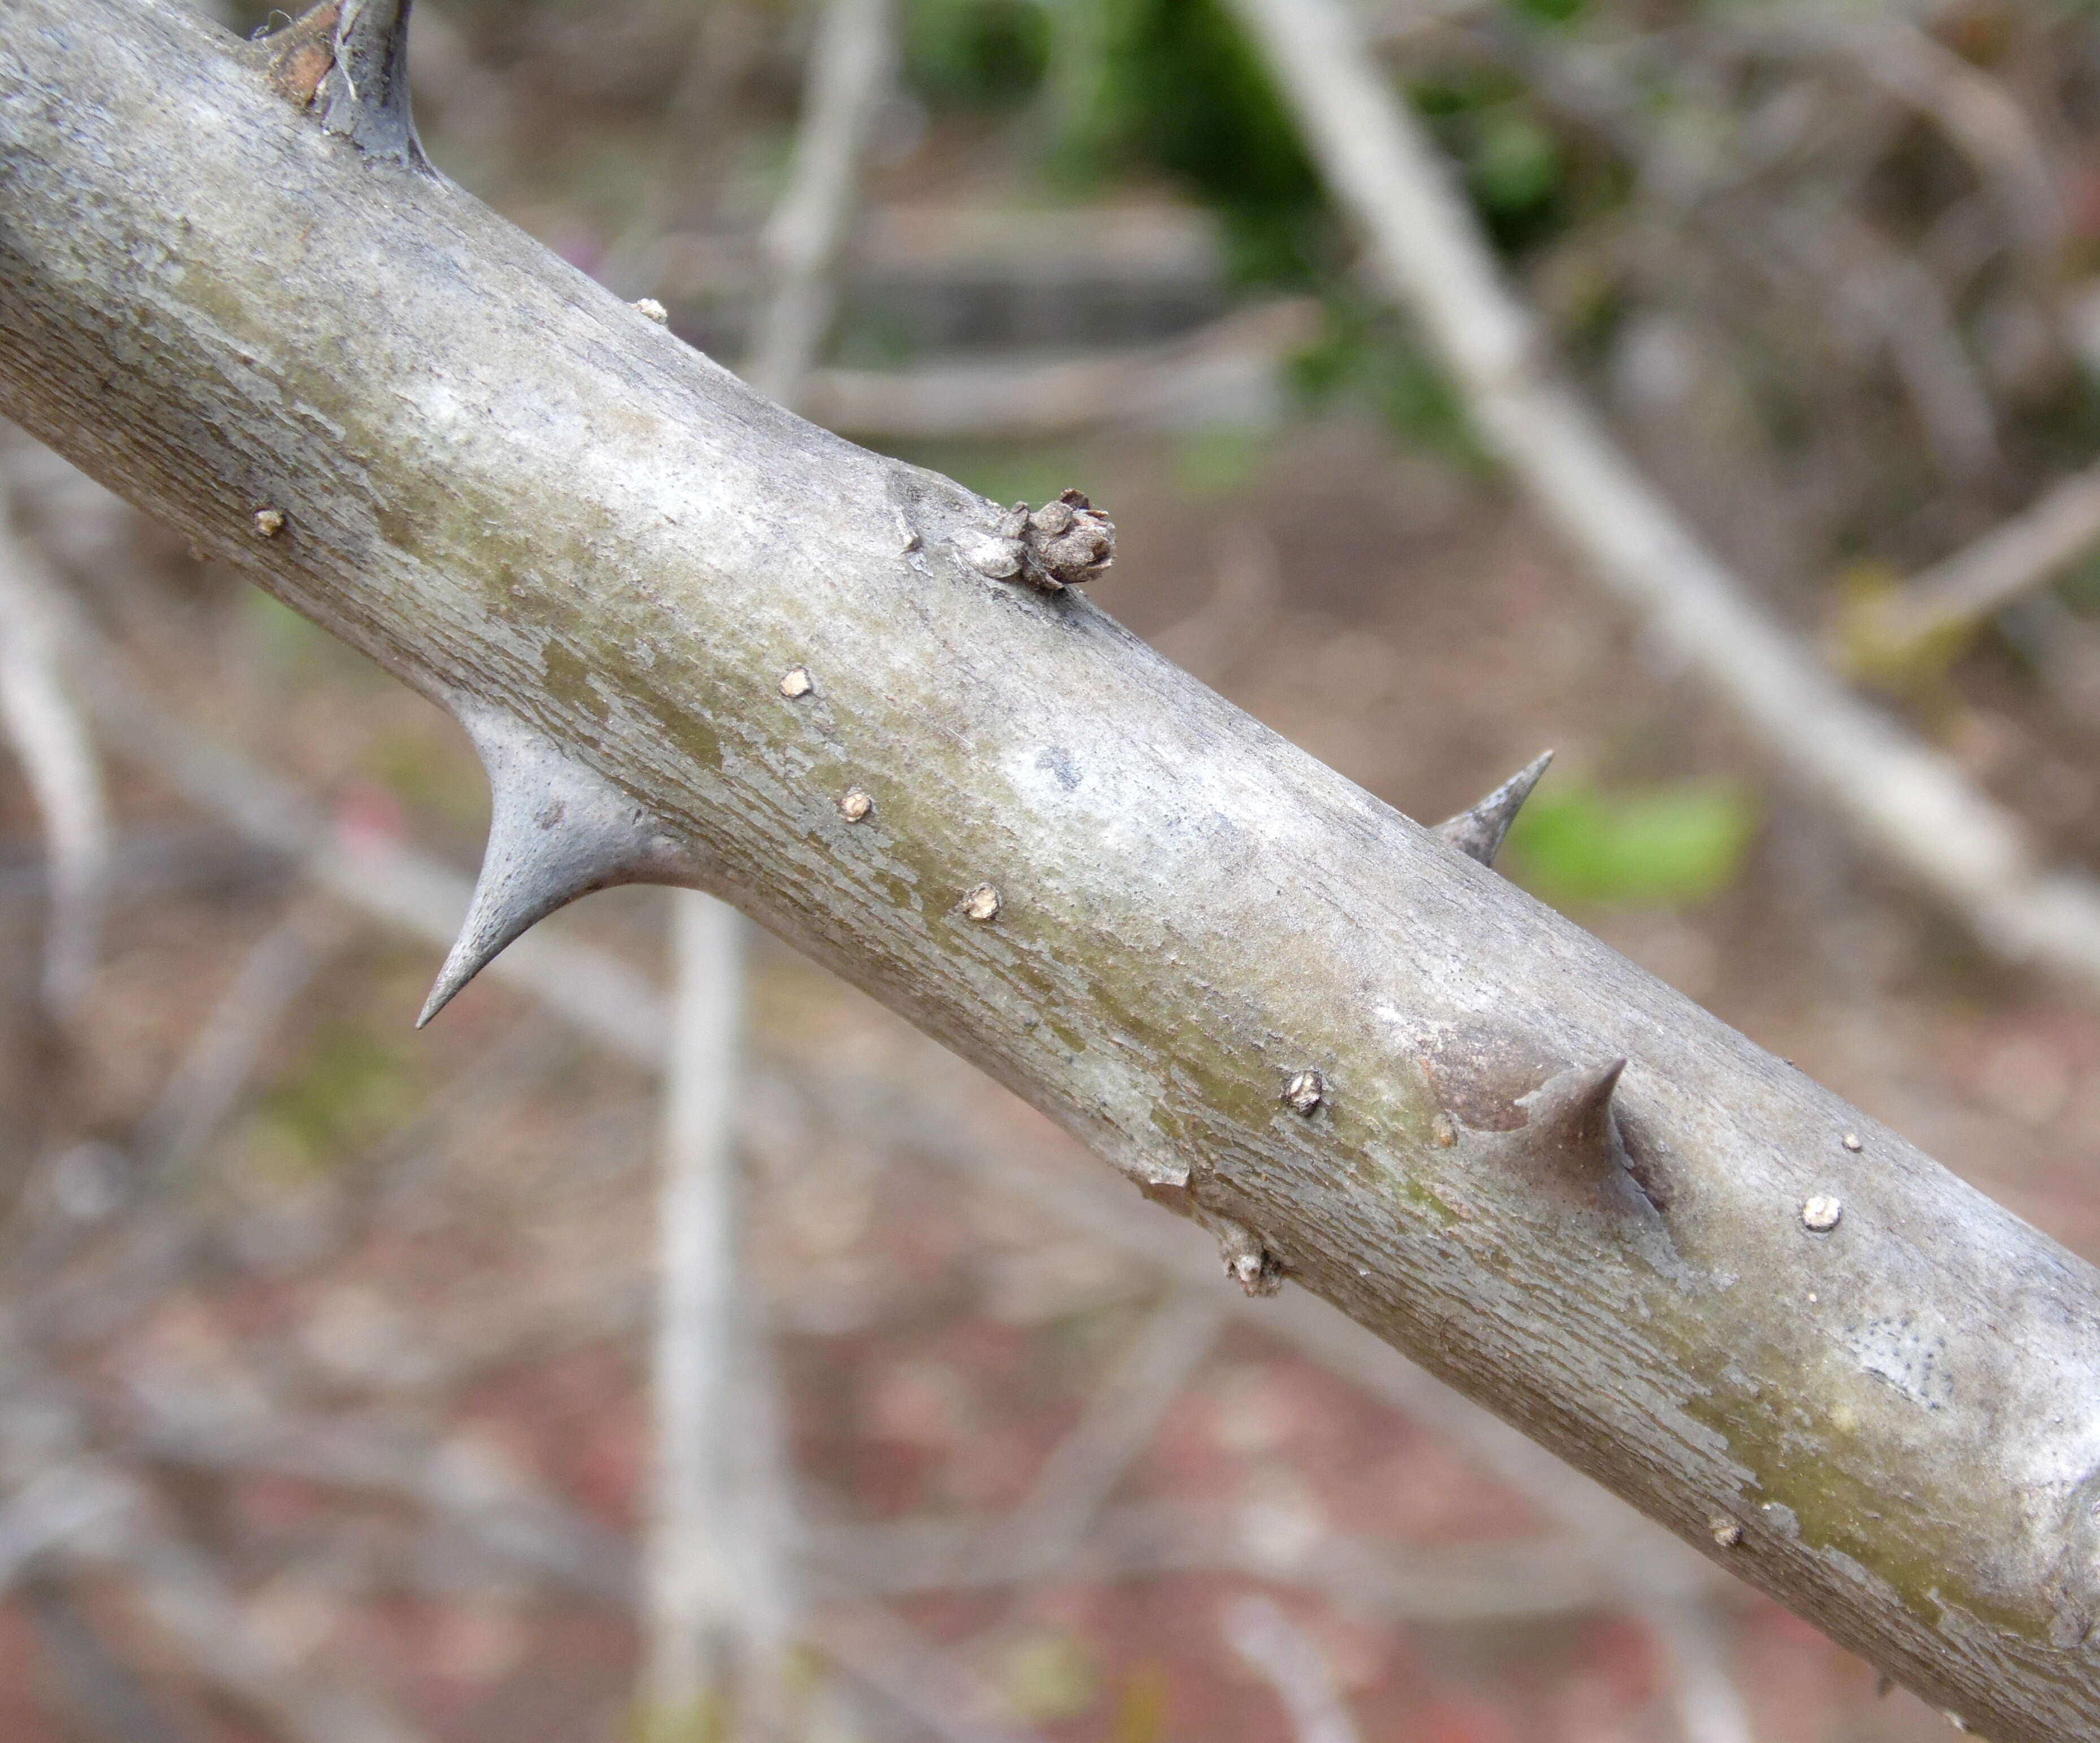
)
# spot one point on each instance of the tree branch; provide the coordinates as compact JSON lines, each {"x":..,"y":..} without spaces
{"x":1275,"y":1004}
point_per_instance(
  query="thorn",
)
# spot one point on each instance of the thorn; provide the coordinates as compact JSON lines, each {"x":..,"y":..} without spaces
{"x":1571,"y":1115}
{"x":1478,"y":833}
{"x":365,"y":96}
{"x":557,"y":831}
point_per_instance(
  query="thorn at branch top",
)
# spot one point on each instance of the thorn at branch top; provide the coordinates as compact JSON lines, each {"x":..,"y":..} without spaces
{"x":1478,"y":833}
{"x":365,"y":95}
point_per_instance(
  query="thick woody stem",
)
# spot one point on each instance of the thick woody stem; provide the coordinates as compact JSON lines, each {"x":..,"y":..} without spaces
{"x":1273,"y":1002}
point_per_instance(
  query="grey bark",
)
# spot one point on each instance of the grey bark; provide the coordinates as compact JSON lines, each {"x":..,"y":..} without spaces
{"x":1080,"y":869}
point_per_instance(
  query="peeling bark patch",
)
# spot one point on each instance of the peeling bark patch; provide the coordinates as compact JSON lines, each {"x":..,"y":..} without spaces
{"x":1821,"y":1214}
{"x":1305,"y":1092}
{"x":797,"y":683}
{"x":301,"y":54}
{"x":1899,"y":1352}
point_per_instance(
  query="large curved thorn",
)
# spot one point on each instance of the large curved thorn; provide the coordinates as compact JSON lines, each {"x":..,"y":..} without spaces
{"x":1478,"y":833}
{"x":557,"y":830}
{"x":1570,"y":1120}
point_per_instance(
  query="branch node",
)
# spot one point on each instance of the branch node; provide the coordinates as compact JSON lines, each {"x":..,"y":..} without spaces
{"x":1248,"y":1263}
{"x":1066,"y":543}
{"x":1821,"y":1214}
{"x":1478,"y":833}
{"x":1305,"y":1092}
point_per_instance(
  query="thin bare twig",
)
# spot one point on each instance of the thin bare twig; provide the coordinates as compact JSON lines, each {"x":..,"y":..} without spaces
{"x":1494,"y":1585}
{"x":1709,"y":1706}
{"x":1289,"y":1660}
{"x":849,"y":69}
{"x":876,"y":1648}
{"x":179,"y":1587}
{"x":718,"y":1589}
{"x":1225,"y":368}
{"x":109,"y":1699}
{"x":206,"y":1087}
{"x":58,"y":758}
{"x":1083,"y":1468}
{"x":2015,"y":557}
{"x":694,"y":1604}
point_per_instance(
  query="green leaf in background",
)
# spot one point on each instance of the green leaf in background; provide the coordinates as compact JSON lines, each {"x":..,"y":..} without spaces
{"x":350,"y":1087}
{"x":1663,"y":846}
{"x":1182,"y":91}
{"x":975,"y":54}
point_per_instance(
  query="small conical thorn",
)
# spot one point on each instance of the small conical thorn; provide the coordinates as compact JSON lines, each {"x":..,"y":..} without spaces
{"x":1478,"y":833}
{"x":1571,"y":1118}
{"x":557,"y":830}
{"x":365,"y":96}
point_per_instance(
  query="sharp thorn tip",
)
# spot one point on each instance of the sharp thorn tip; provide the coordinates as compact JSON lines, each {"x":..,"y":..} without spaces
{"x":1478,"y":832}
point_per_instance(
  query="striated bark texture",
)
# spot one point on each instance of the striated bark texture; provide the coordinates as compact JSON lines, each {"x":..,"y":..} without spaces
{"x":690,"y":627}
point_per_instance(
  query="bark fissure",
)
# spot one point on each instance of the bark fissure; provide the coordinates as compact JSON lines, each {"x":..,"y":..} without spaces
{"x":535,"y":504}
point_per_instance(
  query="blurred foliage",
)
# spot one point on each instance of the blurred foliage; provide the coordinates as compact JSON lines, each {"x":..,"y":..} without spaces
{"x":1142,"y":1708}
{"x":1663,"y":846}
{"x":1514,"y":163}
{"x":1222,"y":465}
{"x":1183,"y":93}
{"x":294,"y":651}
{"x":1367,"y":358}
{"x":1045,"y":1676}
{"x":1005,"y":471}
{"x":350,"y":1087}
{"x":1869,"y":641}
{"x":975,"y":54}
